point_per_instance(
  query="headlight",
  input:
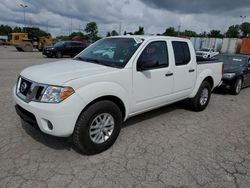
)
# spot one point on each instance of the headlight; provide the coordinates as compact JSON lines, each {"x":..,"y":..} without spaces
{"x":229,"y":75}
{"x":54,"y":94}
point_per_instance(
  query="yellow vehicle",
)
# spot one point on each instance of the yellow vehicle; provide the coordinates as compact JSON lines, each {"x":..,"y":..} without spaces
{"x":26,"y":42}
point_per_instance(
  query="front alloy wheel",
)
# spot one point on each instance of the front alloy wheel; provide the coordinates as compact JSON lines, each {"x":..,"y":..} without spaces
{"x":204,"y":96}
{"x":101,"y":128}
{"x":97,"y":127}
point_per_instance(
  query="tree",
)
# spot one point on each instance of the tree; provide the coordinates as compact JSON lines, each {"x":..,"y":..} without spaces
{"x":92,"y":30}
{"x":233,"y":31}
{"x":170,"y":32}
{"x":72,"y":35}
{"x":5,"y":29}
{"x":108,"y":34}
{"x":114,"y":33}
{"x":17,"y":30}
{"x":140,"y":31}
{"x":189,"y":33}
{"x":245,"y":29}
{"x":215,"y":34}
{"x":63,"y":37}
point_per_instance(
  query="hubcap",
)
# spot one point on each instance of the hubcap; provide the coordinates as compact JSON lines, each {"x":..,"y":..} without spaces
{"x":101,"y":128}
{"x":204,"y":96}
{"x":238,"y":87}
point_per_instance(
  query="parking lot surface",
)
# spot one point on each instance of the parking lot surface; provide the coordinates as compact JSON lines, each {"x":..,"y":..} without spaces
{"x":168,"y":147}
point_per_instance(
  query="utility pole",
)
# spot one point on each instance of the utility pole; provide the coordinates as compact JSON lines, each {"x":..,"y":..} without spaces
{"x":71,"y":25}
{"x":47,"y":27}
{"x":24,"y":11}
{"x":179,"y":29}
{"x":120,"y":29}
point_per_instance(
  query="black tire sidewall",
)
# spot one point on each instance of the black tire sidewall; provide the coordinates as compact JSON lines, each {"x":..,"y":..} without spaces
{"x":196,"y":105}
{"x":81,"y":135}
{"x":59,"y":54}
{"x":235,"y":86}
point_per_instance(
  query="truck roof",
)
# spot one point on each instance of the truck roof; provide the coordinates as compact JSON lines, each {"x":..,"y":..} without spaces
{"x":150,"y":37}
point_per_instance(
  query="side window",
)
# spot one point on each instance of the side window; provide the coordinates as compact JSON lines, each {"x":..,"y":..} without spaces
{"x":16,"y":37}
{"x":154,"y":56}
{"x":181,"y":53}
{"x":68,"y":44}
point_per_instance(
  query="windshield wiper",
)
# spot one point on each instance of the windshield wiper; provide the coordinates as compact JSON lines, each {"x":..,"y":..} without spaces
{"x":92,"y":60}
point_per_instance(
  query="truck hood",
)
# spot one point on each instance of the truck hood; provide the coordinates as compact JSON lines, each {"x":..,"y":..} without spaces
{"x":60,"y":72}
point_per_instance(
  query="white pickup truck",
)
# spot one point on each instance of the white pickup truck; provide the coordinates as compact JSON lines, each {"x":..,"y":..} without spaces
{"x":89,"y":97}
{"x":206,"y":53}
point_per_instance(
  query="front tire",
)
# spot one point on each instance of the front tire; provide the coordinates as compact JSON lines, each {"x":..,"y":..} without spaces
{"x":59,"y":54}
{"x":97,"y":127}
{"x":202,"y":98}
{"x":237,"y":87}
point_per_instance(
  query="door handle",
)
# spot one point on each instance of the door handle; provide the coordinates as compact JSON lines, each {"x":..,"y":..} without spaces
{"x":191,"y":70}
{"x":169,"y":74}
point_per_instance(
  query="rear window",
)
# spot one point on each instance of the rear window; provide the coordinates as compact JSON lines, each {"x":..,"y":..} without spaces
{"x":181,"y":53}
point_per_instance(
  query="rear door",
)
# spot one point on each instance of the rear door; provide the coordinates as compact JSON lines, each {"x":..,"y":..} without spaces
{"x":152,"y":87}
{"x":185,"y":68}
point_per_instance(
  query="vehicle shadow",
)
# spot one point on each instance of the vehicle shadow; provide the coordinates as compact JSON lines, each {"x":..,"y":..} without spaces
{"x":60,"y":143}
{"x":222,"y":91}
{"x":157,"y":112}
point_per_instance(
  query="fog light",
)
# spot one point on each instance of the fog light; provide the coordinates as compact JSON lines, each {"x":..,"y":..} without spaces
{"x":50,"y":126}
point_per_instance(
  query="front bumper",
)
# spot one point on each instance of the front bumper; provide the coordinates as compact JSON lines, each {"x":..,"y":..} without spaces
{"x":62,"y":116}
{"x":227,"y":83}
{"x":48,"y":52}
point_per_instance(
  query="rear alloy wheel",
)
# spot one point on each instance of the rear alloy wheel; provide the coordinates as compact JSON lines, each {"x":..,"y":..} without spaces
{"x":202,"y":98}
{"x":97,"y":127}
{"x":237,"y":87}
{"x":59,"y":54}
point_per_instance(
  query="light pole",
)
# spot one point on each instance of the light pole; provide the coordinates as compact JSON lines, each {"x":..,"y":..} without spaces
{"x":24,"y":7}
{"x":243,"y":18}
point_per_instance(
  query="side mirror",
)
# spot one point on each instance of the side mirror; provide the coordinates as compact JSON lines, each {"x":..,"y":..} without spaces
{"x":143,"y":65}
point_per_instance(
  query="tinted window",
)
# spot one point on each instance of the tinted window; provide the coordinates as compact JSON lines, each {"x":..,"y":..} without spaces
{"x":181,"y":53}
{"x":155,"y":52}
{"x":76,"y":44}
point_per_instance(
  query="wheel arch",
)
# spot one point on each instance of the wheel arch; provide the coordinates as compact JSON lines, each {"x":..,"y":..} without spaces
{"x":210,"y":80}
{"x":111,"y":98}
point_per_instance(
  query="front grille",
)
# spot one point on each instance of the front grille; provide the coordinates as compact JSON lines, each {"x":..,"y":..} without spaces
{"x":25,"y":86}
{"x":28,"y":90}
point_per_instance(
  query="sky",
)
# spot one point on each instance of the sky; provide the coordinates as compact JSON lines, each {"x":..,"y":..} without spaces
{"x":60,"y":17}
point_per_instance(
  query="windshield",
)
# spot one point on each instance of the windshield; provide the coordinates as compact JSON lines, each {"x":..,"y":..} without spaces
{"x":232,"y":60}
{"x":114,"y":52}
{"x":58,"y":44}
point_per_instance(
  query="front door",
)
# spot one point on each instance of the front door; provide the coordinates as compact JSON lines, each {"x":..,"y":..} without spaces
{"x":152,"y":76}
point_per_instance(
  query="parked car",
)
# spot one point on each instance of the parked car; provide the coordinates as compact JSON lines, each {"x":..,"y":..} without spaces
{"x":112,"y":80}
{"x":206,"y":53}
{"x":236,"y":71}
{"x":69,"y":48}
{"x":2,"y":42}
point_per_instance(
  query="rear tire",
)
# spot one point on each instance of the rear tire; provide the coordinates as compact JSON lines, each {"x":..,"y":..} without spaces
{"x":237,"y":87}
{"x":202,"y":98}
{"x":97,"y":127}
{"x":27,"y":47}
